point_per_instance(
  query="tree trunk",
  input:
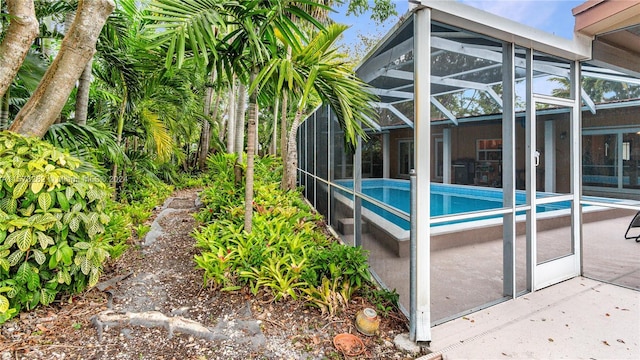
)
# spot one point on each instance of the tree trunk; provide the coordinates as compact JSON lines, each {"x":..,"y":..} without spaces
{"x":82,"y":96}
{"x":231,"y":121}
{"x":283,"y":135}
{"x":119,"y":130}
{"x":22,"y":31}
{"x":205,"y":132}
{"x":251,"y":149}
{"x":289,"y":182}
{"x":240,"y":119}
{"x":4,"y":111}
{"x":214,"y":117}
{"x":205,"y":137}
{"x":273,"y":149}
{"x":76,"y":50}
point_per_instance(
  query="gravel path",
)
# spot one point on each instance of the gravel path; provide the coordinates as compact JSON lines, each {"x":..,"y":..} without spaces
{"x":151,"y":305}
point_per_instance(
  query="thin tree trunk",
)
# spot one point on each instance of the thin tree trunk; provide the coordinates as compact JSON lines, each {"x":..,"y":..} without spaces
{"x":22,"y":31}
{"x":283,"y":135}
{"x":251,"y":149}
{"x":273,"y":149}
{"x":82,"y":96}
{"x":289,"y":182}
{"x":214,"y":117}
{"x":240,"y":119}
{"x":119,"y":129}
{"x":76,"y":49}
{"x":205,"y":133}
{"x":4,"y":111}
{"x":284,"y":121}
{"x":231,"y":115}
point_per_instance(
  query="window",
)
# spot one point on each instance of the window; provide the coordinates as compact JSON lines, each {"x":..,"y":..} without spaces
{"x":489,"y":149}
{"x":626,"y":150}
{"x":439,"y":159}
{"x":405,"y":153}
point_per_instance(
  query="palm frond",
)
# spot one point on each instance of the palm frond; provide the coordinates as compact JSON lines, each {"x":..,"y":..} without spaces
{"x":95,"y":146}
{"x":187,"y":26}
{"x":158,"y":136}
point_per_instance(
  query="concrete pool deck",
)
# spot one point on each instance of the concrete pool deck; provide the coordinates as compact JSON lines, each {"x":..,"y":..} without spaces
{"x":576,"y":319}
{"x":468,"y":277}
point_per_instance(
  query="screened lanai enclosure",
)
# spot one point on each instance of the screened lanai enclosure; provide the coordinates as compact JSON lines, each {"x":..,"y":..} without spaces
{"x":489,"y":171}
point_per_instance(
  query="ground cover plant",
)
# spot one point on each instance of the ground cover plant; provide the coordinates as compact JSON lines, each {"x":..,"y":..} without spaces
{"x":288,"y":255}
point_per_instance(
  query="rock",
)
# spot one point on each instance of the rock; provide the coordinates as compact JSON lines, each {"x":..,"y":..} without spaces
{"x":403,"y":343}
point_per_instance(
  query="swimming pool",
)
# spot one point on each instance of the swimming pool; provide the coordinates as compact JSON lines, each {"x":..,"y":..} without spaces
{"x":446,"y":199}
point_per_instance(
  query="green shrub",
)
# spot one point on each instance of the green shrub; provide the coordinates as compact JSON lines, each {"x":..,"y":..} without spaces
{"x":337,"y":260}
{"x":287,"y":254}
{"x":384,"y":300}
{"x":222,"y":197}
{"x":118,"y":230}
{"x":52,"y":221}
{"x":190,"y":181}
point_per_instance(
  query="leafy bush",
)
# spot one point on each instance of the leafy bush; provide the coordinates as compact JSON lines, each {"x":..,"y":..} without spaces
{"x":141,"y":193}
{"x":338,"y":260}
{"x":222,"y":195}
{"x":52,"y":221}
{"x":118,"y":230}
{"x":287,"y":254}
{"x":190,"y":181}
{"x":384,"y":300}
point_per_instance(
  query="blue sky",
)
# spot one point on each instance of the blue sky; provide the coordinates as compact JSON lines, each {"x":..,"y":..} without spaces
{"x":552,"y":16}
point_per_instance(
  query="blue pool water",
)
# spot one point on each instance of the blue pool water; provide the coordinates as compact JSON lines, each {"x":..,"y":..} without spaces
{"x":445,"y":199}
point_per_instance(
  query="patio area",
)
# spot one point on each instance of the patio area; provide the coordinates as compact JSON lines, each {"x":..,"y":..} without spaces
{"x":529,"y":131}
{"x":577,"y":319}
{"x":466,"y":278}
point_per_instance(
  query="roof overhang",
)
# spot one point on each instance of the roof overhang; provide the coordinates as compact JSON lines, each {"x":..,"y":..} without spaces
{"x":614,"y":27}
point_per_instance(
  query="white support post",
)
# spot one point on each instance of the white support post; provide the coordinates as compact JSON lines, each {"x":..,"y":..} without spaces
{"x":357,"y":190}
{"x":509,"y":169}
{"x":575,"y":135}
{"x":530,"y":121}
{"x":422,"y":131}
{"x":446,"y":156}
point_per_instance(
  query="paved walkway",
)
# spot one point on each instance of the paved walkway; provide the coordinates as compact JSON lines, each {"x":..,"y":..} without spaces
{"x":577,"y":319}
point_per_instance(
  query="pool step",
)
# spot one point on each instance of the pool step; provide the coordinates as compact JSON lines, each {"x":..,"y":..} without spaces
{"x":345,"y":226}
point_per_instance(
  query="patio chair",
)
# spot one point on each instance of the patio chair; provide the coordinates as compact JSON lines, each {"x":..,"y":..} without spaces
{"x":635,"y":223}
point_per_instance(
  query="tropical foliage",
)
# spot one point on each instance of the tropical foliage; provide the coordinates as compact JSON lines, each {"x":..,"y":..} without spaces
{"x":288,"y":256}
{"x":52,"y":224}
{"x":165,"y":89}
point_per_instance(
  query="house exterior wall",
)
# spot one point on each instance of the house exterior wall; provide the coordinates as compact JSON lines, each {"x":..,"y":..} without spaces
{"x":464,"y":139}
{"x":628,"y":116}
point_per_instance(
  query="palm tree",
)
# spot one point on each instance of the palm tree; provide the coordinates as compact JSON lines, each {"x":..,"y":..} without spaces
{"x":318,"y":69}
{"x":151,"y":110}
{"x":199,"y":29}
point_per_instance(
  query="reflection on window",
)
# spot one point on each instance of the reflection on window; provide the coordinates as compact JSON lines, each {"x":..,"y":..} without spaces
{"x":489,"y":150}
{"x":599,"y":160}
{"x":372,"y":157}
{"x":626,"y":150}
{"x":405,"y":152}
{"x":611,"y":160}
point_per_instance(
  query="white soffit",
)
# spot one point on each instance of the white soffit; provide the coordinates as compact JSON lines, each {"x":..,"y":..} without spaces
{"x":472,"y":19}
